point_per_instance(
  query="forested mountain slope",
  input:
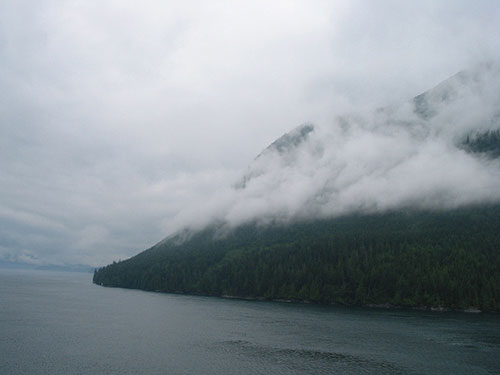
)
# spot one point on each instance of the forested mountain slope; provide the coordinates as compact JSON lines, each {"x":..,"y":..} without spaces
{"x":400,"y":206}
{"x":413,"y":258}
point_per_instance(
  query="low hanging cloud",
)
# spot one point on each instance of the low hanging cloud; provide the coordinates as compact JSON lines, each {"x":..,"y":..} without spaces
{"x":415,"y":155}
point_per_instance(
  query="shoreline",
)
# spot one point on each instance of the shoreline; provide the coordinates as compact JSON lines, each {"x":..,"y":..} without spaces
{"x":386,"y":306}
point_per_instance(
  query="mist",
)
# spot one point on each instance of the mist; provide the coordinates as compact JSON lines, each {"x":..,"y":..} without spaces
{"x":413,"y":155}
{"x":122,"y":123}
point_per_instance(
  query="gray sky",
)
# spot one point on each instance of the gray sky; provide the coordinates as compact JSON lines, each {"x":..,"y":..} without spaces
{"x":121,"y":120}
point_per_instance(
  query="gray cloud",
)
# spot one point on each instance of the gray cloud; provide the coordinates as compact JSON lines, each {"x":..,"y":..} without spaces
{"x":120,"y":122}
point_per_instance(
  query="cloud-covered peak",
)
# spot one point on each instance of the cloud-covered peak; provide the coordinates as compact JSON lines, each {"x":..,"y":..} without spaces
{"x":481,"y":82}
{"x":283,"y":149}
{"x":290,"y":140}
{"x":435,"y":151}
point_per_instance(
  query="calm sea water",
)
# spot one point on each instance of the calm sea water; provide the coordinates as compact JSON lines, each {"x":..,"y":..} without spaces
{"x":59,"y":323}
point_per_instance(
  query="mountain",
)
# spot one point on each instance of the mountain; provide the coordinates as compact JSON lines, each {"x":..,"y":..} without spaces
{"x":398,"y":207}
{"x":282,"y":146}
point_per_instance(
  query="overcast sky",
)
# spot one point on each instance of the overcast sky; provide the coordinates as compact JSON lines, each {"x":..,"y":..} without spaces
{"x":117,"y":115}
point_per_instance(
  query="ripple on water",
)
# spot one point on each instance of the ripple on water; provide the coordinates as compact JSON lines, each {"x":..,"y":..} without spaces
{"x":305,"y":360}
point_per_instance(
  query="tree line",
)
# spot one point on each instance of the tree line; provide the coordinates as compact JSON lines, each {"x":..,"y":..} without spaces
{"x":410,"y":258}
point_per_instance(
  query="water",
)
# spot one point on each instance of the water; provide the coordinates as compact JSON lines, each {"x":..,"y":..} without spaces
{"x":59,"y":323}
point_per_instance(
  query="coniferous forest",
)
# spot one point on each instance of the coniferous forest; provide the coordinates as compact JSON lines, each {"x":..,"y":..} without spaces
{"x":448,"y":259}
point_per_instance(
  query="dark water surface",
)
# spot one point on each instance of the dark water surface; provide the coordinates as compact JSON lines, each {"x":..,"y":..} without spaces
{"x":59,"y":323}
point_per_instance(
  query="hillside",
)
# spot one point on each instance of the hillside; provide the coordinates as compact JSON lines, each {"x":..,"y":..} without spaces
{"x":445,"y":258}
{"x":398,"y":207}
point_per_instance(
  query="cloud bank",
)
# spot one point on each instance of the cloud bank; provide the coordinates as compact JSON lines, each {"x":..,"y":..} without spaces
{"x":414,"y":155}
{"x":122,"y":122}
